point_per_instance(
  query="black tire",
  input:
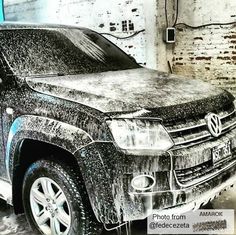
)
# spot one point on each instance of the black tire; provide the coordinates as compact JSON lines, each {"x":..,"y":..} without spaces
{"x":82,"y":216}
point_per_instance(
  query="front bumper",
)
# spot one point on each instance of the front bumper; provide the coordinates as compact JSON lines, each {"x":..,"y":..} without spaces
{"x":186,"y":199}
{"x":108,"y":173}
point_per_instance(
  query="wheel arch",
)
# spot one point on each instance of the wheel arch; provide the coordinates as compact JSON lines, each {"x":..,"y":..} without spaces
{"x":60,"y":134}
{"x":46,"y":138}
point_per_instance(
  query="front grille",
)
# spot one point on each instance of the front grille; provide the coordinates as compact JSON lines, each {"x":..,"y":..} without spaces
{"x":193,"y":174}
{"x":186,"y":133}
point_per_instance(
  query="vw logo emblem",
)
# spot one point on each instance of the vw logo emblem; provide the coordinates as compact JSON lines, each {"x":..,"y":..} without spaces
{"x":214,"y":124}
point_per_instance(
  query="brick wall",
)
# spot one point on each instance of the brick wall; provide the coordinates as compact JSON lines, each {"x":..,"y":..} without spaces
{"x":207,"y":53}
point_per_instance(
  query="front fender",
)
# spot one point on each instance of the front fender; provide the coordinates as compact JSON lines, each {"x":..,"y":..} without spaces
{"x":46,"y":130}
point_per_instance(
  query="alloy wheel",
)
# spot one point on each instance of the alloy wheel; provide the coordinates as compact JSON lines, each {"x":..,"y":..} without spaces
{"x":50,"y":207}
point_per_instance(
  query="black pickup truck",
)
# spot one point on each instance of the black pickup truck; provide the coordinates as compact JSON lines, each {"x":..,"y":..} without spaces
{"x":90,"y":138}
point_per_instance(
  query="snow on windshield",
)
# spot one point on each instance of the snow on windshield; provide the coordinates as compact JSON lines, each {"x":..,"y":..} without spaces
{"x":31,"y":52}
{"x":82,"y":41}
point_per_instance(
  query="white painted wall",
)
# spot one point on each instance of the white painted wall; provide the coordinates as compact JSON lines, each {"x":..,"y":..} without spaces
{"x":197,"y":12}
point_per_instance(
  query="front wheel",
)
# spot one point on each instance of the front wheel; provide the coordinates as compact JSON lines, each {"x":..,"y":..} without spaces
{"x":55,"y":201}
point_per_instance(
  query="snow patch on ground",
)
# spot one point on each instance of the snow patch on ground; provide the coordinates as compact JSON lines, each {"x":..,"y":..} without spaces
{"x":13,"y":224}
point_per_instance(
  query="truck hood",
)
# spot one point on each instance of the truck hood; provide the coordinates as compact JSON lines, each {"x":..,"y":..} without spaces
{"x":135,"y":90}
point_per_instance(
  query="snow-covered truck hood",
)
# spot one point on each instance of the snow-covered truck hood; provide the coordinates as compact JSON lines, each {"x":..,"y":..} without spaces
{"x":125,"y":91}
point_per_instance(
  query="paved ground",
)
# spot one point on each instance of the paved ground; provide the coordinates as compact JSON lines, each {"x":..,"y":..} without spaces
{"x":11,"y":224}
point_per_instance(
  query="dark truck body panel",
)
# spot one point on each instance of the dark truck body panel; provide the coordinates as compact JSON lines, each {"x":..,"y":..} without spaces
{"x":71,"y":112}
{"x":127,"y":90}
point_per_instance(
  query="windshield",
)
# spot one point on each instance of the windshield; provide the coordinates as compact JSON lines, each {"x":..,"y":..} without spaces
{"x":31,"y":52}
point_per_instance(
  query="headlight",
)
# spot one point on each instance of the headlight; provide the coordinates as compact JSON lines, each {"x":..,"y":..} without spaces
{"x":140,"y":134}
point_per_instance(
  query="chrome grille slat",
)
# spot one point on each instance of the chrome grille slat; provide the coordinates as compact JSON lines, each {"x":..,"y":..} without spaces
{"x":187,"y":128}
{"x":227,"y":115}
{"x":229,"y":126}
{"x":188,"y":133}
{"x":193,"y":139}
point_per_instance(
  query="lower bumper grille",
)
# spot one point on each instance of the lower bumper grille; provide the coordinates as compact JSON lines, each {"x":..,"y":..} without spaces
{"x":190,"y":176}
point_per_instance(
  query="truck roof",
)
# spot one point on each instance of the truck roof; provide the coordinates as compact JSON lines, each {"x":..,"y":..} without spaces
{"x":22,"y":25}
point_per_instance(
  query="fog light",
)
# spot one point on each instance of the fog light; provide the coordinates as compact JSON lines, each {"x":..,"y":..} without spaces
{"x":143,"y":182}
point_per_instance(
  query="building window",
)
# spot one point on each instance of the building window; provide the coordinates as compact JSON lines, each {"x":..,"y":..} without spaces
{"x":131,"y":25}
{"x":124,"y":26}
{"x":127,"y":25}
